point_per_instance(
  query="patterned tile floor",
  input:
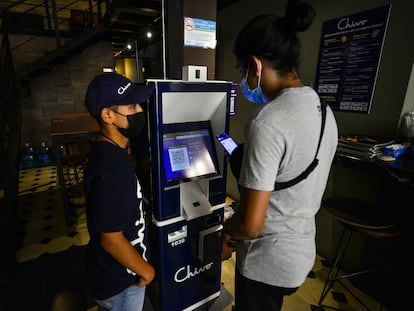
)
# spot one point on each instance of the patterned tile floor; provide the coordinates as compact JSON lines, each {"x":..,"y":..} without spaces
{"x":42,"y":222}
{"x":43,"y":235}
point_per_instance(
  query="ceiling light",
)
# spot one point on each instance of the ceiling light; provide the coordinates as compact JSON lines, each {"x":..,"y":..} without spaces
{"x":149,"y":34}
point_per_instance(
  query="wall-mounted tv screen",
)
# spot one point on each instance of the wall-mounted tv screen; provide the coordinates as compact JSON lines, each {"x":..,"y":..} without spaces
{"x":188,"y":151}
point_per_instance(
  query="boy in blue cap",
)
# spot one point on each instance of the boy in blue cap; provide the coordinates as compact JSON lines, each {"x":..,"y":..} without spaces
{"x":117,"y":253}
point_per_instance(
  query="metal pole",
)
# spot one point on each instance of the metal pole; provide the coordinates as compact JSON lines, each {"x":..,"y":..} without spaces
{"x":56,"y":24}
{"x":91,"y":15}
{"x":137,"y":61}
{"x":49,"y":25}
{"x":163,"y":40}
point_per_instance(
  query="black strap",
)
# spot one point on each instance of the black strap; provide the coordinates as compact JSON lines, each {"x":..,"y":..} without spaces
{"x":311,"y":167}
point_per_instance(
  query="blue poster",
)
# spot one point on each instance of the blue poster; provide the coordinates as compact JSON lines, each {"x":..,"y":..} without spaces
{"x":349,"y":56}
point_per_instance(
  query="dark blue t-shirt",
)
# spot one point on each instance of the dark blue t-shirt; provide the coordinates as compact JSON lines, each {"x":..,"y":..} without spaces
{"x":113,"y":203}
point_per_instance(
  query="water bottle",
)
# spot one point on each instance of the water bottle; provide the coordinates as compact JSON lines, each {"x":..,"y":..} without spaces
{"x":27,"y":155}
{"x":43,"y":152}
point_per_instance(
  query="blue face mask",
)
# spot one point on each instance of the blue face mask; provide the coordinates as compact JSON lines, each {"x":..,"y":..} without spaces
{"x":255,"y":95}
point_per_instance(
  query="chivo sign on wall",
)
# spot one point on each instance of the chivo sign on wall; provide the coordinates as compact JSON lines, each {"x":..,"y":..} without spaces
{"x":349,"y":56}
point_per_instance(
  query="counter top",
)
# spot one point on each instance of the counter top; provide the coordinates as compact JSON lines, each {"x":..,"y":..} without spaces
{"x":401,"y":169}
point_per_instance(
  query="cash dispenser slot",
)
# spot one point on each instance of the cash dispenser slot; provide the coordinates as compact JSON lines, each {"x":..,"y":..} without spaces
{"x":210,"y":242}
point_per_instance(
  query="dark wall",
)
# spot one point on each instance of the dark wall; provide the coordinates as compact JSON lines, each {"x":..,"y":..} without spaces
{"x":61,"y":90}
{"x":389,"y":101}
{"x":178,"y":55}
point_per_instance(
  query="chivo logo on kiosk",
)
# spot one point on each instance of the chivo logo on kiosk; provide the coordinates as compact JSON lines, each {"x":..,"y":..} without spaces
{"x":185,"y":273}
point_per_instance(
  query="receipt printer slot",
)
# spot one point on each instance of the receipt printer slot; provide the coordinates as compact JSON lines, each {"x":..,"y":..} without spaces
{"x":178,"y":234}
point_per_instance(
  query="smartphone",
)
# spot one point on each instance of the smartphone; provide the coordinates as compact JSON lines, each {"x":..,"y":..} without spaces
{"x":226,"y":142}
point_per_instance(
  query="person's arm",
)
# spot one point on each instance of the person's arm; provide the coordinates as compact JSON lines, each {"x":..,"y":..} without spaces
{"x":248,"y":221}
{"x":121,"y":249}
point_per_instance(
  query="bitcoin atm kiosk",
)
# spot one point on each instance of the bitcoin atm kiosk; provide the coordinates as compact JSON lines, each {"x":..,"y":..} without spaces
{"x":188,"y":182}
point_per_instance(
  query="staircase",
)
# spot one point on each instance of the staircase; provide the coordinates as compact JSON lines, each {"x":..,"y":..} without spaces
{"x":80,"y":22}
{"x":76,"y":45}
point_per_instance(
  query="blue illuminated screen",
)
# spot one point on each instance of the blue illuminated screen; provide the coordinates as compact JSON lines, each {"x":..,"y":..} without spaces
{"x":188,"y":150}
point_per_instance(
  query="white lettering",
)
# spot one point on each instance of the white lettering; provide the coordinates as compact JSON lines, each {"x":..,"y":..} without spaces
{"x":345,"y":23}
{"x":140,"y":224}
{"x":122,"y":89}
{"x":178,"y":242}
{"x":185,"y":273}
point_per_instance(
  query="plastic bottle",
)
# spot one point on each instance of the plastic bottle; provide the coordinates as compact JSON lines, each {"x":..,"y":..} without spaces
{"x":27,"y":155}
{"x":27,"y":152}
{"x":43,"y":152}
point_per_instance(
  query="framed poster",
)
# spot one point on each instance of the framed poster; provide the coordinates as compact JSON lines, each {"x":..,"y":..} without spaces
{"x":349,"y":56}
{"x":199,"y":33}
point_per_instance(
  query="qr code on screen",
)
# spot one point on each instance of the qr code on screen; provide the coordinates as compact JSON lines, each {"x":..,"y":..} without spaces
{"x":178,"y":157}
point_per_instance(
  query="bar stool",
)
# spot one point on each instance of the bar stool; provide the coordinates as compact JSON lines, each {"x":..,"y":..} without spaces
{"x":355,"y":216}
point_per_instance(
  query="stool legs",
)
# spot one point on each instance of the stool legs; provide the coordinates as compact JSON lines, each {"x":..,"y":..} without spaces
{"x":332,"y":277}
{"x":334,"y":270}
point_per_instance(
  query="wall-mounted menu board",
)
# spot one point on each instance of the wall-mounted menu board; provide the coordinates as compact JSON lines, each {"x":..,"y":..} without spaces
{"x":349,"y":57}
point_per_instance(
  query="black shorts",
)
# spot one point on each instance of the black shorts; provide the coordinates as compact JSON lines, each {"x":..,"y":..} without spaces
{"x":256,"y":296}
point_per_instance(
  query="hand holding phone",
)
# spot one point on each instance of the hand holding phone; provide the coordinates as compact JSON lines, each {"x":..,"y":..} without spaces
{"x":226,"y":142}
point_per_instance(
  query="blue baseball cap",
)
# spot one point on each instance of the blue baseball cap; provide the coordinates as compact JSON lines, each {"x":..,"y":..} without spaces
{"x":112,"y":89}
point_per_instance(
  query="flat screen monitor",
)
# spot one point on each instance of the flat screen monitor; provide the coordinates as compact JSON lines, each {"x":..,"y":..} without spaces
{"x":188,"y":151}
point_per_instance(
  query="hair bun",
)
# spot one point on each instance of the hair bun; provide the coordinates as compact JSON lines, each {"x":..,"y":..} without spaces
{"x":299,"y":15}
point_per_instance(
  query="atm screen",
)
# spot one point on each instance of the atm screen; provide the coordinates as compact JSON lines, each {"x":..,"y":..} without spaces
{"x":189,"y":150}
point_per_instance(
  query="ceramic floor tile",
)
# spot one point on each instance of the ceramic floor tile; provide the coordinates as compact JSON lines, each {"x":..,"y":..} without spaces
{"x":81,"y":238}
{"x":35,"y":224}
{"x":37,"y":179}
{"x":30,"y":252}
{"x":295,"y":302}
{"x":31,"y":237}
{"x":311,"y":290}
{"x":59,"y":244}
{"x":307,"y":296}
{"x":42,"y":218}
{"x":338,"y":297}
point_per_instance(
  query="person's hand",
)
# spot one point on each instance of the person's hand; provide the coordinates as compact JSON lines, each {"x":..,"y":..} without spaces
{"x":141,"y":283}
{"x":146,"y":277}
{"x":227,"y":252}
{"x":228,"y":246}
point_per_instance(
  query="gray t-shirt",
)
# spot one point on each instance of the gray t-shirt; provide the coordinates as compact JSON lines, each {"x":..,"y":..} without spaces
{"x":281,"y":139}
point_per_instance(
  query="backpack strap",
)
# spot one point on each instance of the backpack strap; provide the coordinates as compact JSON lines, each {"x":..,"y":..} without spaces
{"x":311,"y":167}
